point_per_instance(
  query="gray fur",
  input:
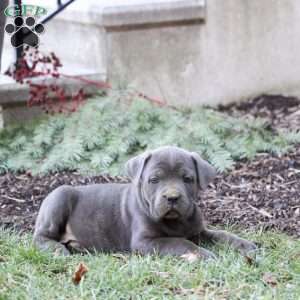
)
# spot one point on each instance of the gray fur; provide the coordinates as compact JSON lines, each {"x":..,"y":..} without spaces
{"x":156,"y":213}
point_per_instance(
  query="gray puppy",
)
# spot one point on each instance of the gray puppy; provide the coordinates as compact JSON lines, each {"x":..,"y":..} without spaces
{"x":156,"y":213}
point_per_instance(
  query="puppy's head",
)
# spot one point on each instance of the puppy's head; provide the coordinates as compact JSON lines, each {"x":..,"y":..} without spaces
{"x":168,"y":180}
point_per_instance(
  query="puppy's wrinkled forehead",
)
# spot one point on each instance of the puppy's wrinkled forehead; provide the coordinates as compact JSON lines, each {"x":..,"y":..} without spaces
{"x":170,"y":159}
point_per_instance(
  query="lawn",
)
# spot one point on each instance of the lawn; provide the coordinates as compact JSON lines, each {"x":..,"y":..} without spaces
{"x":26,"y":273}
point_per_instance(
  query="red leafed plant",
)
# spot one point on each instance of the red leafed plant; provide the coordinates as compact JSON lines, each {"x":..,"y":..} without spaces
{"x":46,"y":93}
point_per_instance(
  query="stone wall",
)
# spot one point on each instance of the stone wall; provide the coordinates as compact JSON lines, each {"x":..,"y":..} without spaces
{"x":238,"y":49}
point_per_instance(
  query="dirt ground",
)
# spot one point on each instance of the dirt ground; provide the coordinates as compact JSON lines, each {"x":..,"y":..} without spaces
{"x":261,"y":194}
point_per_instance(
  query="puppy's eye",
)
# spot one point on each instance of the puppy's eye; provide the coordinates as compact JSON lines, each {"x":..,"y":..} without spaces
{"x":153,"y":180}
{"x":188,"y":179}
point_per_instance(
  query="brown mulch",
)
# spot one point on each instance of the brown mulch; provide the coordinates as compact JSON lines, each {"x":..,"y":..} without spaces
{"x":263,"y":193}
{"x":279,"y":112}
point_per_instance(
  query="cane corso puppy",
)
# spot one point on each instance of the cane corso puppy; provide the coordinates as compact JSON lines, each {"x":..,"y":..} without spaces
{"x":156,"y":213}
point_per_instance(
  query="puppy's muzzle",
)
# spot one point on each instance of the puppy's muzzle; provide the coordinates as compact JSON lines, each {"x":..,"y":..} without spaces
{"x":172,"y":196}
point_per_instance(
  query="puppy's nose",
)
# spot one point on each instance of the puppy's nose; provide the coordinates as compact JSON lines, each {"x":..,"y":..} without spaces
{"x":172,"y":197}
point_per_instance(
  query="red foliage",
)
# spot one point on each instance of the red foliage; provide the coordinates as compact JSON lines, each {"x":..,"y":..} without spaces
{"x":46,"y":93}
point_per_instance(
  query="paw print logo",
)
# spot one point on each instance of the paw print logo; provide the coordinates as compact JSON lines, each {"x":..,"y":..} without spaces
{"x":24,"y":32}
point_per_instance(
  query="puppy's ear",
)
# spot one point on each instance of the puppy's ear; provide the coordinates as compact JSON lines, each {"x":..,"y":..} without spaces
{"x":205,"y":172}
{"x":135,"y":166}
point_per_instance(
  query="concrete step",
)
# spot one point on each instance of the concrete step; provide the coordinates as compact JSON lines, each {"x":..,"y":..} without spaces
{"x":12,"y":92}
{"x":14,"y":96}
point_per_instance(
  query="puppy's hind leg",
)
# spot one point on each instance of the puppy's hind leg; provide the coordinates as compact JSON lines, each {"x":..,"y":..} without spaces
{"x":47,"y":244}
{"x":52,"y":220}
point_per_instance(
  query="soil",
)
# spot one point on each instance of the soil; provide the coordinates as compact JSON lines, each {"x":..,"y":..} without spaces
{"x":278,"y":111}
{"x":260,"y":194}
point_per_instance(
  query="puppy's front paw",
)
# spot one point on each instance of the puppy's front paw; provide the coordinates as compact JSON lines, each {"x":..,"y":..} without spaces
{"x":246,"y":247}
{"x":203,"y":254}
{"x":191,"y":257}
{"x":61,"y":251}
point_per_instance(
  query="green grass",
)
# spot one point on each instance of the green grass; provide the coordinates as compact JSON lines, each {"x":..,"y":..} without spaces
{"x":26,"y":273}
